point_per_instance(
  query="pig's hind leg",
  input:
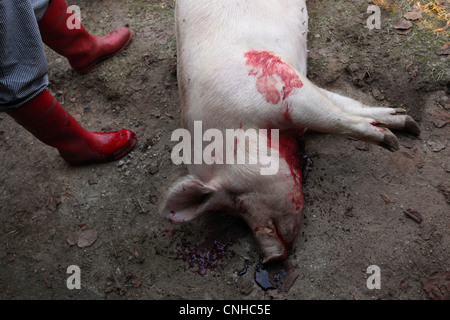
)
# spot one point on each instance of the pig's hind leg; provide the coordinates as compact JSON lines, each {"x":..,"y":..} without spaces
{"x":323,"y":111}
{"x":301,"y":104}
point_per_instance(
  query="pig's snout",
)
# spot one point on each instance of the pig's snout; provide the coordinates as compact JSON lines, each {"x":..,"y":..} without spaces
{"x":271,"y":245}
{"x":276,"y":239}
{"x":275,"y":229}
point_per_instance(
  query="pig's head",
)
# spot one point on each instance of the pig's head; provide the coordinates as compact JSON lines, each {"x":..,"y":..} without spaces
{"x":271,"y":205}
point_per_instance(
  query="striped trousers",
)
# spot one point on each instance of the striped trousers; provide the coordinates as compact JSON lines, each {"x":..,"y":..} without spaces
{"x":23,"y":64}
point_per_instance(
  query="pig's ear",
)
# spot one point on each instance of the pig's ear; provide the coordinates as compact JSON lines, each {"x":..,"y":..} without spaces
{"x":187,"y":199}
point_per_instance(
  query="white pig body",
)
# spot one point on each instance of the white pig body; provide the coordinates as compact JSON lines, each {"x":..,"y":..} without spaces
{"x":242,"y":64}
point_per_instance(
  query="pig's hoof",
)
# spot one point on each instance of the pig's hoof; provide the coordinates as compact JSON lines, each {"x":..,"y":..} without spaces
{"x":390,"y":142}
{"x":411,"y":126}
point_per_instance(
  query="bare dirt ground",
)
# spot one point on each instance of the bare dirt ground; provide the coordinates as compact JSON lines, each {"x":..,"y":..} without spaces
{"x":356,"y":193}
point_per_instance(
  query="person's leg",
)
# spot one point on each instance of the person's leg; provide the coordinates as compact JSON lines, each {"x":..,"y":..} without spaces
{"x":60,"y":32}
{"x":48,"y":121}
{"x":39,"y":7}
{"x":23,"y":79}
{"x":23,"y":64}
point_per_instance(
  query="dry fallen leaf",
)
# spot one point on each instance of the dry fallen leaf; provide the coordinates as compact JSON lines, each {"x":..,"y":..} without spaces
{"x":93,"y":180}
{"x":441,"y":117}
{"x":444,"y":50}
{"x":83,"y":226}
{"x":72,"y":238}
{"x":437,"y":285}
{"x":403,"y":26}
{"x":385,"y":197}
{"x":86,"y":238}
{"x":413,"y":15}
{"x":377,"y":94}
{"x":413,"y":214}
{"x":52,"y":203}
{"x":436,"y":145}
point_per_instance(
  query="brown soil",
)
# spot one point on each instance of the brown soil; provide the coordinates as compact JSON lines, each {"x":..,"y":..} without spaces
{"x":356,"y":193}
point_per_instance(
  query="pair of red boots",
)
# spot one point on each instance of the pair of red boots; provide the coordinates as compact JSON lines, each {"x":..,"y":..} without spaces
{"x":47,"y":120}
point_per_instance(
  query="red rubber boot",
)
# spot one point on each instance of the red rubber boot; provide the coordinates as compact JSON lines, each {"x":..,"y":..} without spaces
{"x":82,"y":49}
{"x":48,"y":121}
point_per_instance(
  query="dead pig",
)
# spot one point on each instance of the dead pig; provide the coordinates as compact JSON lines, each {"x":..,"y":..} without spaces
{"x":242,"y":64}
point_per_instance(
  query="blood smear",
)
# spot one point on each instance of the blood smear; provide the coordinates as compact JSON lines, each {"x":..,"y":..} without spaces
{"x":268,"y":70}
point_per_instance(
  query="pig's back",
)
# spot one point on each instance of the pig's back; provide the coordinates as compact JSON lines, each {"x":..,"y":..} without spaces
{"x":214,"y":36}
{"x":209,"y":29}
